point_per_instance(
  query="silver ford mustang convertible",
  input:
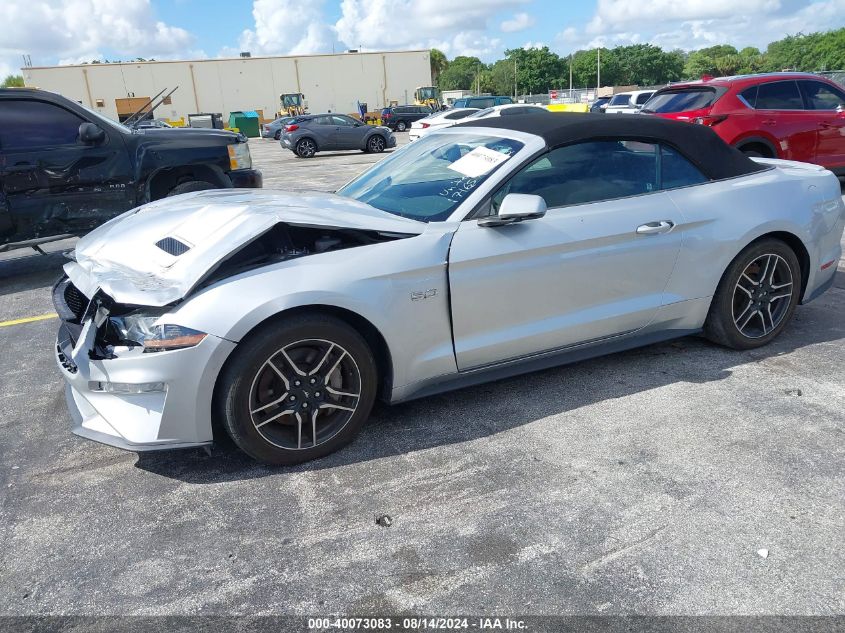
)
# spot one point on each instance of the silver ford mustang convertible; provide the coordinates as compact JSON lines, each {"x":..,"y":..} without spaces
{"x":478,"y":252}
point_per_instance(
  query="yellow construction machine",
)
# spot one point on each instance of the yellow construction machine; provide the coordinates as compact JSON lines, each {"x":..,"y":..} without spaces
{"x":292,"y":104}
{"x":427,"y":95}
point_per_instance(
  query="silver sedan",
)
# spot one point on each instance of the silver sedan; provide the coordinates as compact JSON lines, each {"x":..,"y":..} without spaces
{"x":472,"y":254}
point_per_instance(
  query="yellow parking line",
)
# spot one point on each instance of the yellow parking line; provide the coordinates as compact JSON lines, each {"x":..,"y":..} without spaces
{"x":41,"y":317}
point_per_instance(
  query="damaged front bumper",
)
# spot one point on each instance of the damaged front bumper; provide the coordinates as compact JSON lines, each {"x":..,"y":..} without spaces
{"x":134,"y":400}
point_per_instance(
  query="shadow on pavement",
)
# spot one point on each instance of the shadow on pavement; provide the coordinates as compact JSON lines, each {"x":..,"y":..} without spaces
{"x":30,"y":272}
{"x":493,"y":408}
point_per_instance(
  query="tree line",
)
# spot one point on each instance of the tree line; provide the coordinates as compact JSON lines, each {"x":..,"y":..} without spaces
{"x":537,"y":70}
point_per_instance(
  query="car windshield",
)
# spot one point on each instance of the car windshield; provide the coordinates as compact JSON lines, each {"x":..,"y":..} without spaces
{"x":681,"y":100}
{"x":428,"y":179}
{"x":481,"y":113}
{"x":104,"y":119}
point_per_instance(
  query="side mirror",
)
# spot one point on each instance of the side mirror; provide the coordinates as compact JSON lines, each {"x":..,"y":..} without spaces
{"x":516,"y":207}
{"x":91,"y":134}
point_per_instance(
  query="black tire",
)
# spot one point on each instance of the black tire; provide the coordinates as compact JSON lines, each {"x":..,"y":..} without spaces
{"x":401,"y":126}
{"x":250,"y":376}
{"x":190,"y":186}
{"x":306,"y":148}
{"x":752,"y":153}
{"x":376,"y":144}
{"x":754,"y":314}
{"x":278,"y":135}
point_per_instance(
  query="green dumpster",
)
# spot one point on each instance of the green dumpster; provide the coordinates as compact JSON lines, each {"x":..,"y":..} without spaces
{"x":246,"y":122}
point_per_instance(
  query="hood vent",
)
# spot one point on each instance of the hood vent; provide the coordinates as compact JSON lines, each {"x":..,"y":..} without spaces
{"x":172,"y":246}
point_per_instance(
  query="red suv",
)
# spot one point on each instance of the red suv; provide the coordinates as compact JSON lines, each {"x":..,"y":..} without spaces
{"x":796,"y":116}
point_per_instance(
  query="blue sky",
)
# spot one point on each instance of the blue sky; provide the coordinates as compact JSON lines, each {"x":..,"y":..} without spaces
{"x":71,"y":31}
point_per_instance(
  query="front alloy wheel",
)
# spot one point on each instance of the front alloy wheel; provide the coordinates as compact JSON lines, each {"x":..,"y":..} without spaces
{"x":297,"y":389}
{"x":304,"y":394}
{"x":376,"y":144}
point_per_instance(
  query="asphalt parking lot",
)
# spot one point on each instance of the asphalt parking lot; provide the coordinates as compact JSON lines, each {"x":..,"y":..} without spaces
{"x":645,"y":482}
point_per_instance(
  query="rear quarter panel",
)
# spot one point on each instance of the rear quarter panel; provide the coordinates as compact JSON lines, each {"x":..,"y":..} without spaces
{"x":721,"y":218}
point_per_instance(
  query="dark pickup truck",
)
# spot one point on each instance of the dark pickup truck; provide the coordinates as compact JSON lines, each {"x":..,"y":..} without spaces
{"x":65,"y":169}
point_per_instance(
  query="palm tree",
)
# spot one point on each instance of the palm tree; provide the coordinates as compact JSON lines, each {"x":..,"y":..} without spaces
{"x":438,"y":64}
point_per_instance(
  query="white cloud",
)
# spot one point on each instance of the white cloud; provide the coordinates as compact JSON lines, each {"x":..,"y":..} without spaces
{"x":455,"y":28}
{"x":287,"y":27}
{"x":77,"y":30}
{"x":529,"y":45}
{"x":699,"y":23}
{"x":519,"y":22}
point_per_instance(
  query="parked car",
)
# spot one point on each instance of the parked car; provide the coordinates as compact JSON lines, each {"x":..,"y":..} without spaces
{"x":796,"y":116}
{"x":152,"y":123}
{"x":306,"y":135}
{"x":400,"y":118}
{"x":437,"y":121}
{"x":508,"y":109}
{"x":65,"y":169}
{"x":481,"y":102}
{"x":599,"y":105}
{"x":275,"y":128}
{"x":480,"y":251}
{"x":628,"y":102}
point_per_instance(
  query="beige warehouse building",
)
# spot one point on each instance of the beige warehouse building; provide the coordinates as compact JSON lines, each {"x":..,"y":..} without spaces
{"x":329,"y":82}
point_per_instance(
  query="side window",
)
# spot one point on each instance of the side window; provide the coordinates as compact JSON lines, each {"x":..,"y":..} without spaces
{"x":458,"y":115}
{"x":820,"y":96}
{"x":749,"y":97}
{"x":587,"y":172}
{"x":342,"y":120}
{"x":323,"y":120}
{"x":641,"y":99}
{"x":779,"y":95}
{"x":36,"y":124}
{"x":677,"y":171}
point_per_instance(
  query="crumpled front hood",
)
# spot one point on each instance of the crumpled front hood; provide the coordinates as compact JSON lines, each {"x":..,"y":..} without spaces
{"x":122,"y":257}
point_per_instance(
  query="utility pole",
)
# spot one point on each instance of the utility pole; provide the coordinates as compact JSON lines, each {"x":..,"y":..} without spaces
{"x":570,"y":75}
{"x":598,"y":71}
{"x":515,"y":85}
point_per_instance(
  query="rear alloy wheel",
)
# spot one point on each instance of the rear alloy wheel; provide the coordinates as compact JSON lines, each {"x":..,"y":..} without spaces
{"x":756,"y":297}
{"x":278,"y":135}
{"x":306,"y":148}
{"x":401,"y":126}
{"x":376,"y":144}
{"x":298,"y":390}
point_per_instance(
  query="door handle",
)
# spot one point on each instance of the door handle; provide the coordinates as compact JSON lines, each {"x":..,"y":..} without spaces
{"x":769,"y":122}
{"x":653,"y":228}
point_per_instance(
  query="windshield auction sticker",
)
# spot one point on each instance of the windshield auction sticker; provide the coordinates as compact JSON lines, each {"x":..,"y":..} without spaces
{"x":478,"y":162}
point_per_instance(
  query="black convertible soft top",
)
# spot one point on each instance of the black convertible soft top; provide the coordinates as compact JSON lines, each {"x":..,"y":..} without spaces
{"x":701,"y":145}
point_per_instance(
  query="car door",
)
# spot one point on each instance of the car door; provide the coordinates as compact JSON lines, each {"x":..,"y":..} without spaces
{"x":779,"y":112}
{"x":323,"y":128}
{"x":53,"y":183}
{"x":348,"y":135}
{"x":826,"y":105}
{"x":594,"y":267}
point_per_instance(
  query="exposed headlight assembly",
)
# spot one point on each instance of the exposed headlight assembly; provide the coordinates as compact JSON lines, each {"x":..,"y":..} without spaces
{"x":239,"y":157}
{"x":141,"y":328}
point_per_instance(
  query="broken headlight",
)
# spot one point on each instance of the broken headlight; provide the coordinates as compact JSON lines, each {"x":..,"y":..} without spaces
{"x":142,"y":328}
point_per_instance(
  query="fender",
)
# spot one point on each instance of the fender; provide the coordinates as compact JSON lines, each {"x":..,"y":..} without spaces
{"x":762,"y":139}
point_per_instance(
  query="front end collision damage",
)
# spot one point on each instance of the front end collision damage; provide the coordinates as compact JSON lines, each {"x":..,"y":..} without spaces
{"x":121,"y":394}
